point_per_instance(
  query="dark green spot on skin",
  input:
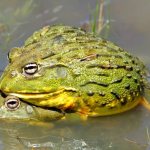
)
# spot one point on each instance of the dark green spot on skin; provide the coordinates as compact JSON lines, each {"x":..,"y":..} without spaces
{"x":104,"y":41}
{"x":120,"y":49}
{"x":110,"y":49}
{"x":90,"y":93}
{"x":133,"y":61}
{"x":33,"y":42}
{"x":59,"y":58}
{"x":135,"y":80}
{"x":128,"y":55}
{"x":137,"y":70}
{"x":101,"y":66}
{"x":88,"y":58}
{"x":103,"y":74}
{"x":97,"y":83}
{"x":96,"y":101}
{"x":126,"y":62}
{"x":49,"y":55}
{"x":117,"y":80}
{"x":129,"y":68}
{"x":124,"y":102}
{"x":58,"y":39}
{"x":129,"y":76}
{"x":71,"y":30}
{"x":127,"y":86}
{"x":57,"y":65}
{"x":138,"y":87}
{"x":115,"y":94}
{"x":109,"y":55}
{"x":110,"y":66}
{"x":103,"y":105}
{"x":101,"y":94}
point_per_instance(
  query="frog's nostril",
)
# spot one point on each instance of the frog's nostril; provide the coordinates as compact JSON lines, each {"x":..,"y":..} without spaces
{"x":13,"y":73}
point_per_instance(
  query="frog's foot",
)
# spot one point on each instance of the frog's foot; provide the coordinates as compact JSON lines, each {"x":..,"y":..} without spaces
{"x":145,"y":103}
{"x":85,"y":113}
{"x":76,"y":117}
{"x":83,"y":117}
{"x":69,"y":105}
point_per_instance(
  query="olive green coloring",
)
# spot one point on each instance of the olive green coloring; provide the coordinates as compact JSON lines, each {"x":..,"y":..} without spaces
{"x":69,"y":69}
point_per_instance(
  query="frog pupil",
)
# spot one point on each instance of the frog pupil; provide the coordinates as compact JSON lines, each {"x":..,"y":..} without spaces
{"x":31,"y":68}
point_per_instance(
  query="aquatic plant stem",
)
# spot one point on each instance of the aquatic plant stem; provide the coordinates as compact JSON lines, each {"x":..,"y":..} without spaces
{"x":100,"y":19}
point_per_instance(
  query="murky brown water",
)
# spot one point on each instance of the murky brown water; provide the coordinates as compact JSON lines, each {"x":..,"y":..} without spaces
{"x":129,"y":27}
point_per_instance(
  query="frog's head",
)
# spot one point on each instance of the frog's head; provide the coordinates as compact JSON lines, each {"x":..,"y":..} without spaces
{"x":13,"y":108}
{"x":37,"y":72}
{"x":31,"y":73}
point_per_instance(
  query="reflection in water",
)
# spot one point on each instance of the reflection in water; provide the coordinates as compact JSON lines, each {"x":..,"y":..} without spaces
{"x":93,"y":134}
{"x":56,"y":143}
{"x":139,"y":142}
{"x":16,"y":136}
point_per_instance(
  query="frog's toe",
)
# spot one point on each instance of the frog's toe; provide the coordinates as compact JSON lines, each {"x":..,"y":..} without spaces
{"x":145,"y":103}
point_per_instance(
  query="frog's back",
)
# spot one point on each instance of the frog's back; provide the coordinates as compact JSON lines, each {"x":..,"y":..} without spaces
{"x":102,"y":74}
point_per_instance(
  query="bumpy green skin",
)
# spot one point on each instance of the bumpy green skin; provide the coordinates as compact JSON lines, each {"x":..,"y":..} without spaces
{"x":98,"y":76}
{"x":26,"y":112}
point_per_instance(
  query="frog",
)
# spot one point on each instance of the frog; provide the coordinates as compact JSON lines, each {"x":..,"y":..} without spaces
{"x":13,"y":109}
{"x":72,"y":70}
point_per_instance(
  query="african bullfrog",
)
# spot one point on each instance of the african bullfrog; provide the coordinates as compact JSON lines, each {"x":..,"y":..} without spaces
{"x":69,"y":69}
{"x":13,"y":108}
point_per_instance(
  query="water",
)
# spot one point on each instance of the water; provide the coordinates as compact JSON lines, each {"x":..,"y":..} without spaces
{"x":129,"y":27}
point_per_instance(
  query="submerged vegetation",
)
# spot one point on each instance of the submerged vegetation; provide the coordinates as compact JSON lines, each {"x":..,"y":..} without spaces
{"x":98,"y":22}
{"x":12,"y":18}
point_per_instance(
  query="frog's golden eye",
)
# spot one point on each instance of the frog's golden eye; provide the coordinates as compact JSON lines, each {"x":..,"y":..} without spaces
{"x":30,"y":68}
{"x":12,"y":103}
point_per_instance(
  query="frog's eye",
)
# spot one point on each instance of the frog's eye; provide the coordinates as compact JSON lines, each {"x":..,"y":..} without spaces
{"x":30,"y":68}
{"x":12,"y":103}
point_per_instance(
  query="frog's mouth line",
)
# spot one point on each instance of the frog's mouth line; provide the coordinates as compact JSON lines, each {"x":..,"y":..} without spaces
{"x":35,"y":95}
{"x":31,"y":95}
{"x":39,"y":95}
